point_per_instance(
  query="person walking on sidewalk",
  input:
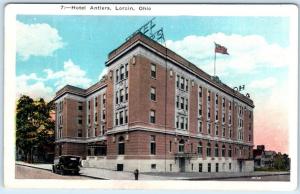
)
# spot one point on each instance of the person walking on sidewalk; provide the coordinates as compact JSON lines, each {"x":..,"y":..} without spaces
{"x":136,"y":174}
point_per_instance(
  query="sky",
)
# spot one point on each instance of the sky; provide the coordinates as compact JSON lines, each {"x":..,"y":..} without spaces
{"x":53,"y":51}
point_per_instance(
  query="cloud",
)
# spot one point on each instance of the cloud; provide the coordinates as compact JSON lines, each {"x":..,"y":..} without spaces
{"x":72,"y":74}
{"x":264,"y":83}
{"x":247,"y":53}
{"x":103,"y":73}
{"x":38,"y":89}
{"x":37,"y":40}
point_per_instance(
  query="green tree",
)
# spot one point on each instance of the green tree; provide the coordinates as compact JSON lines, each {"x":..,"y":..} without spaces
{"x":34,"y":126}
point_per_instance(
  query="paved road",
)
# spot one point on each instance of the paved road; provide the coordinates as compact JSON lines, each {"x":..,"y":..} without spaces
{"x":24,"y":172}
{"x":258,"y":178}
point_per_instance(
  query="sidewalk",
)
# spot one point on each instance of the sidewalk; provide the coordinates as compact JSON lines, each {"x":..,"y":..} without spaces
{"x":121,"y":175}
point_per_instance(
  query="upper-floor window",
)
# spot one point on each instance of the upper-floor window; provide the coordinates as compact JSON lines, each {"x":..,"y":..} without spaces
{"x":208,"y":96}
{"x":208,"y":128}
{"x":182,"y":103}
{"x":216,"y":150}
{"x":177,"y":81}
{"x":96,"y":101}
{"x":117,"y":119}
{"x":217,"y":99}
{"x":117,"y":75}
{"x":79,"y":105}
{"x":152,"y":145}
{"x":153,"y":93}
{"x":126,"y":70}
{"x":208,"y":150}
{"x":186,"y":85}
{"x":122,"y":72}
{"x":152,"y":116}
{"x":216,"y":130}
{"x":181,"y":146}
{"x":182,"y":83}
{"x":200,"y":110}
{"x":177,"y":101}
{"x":153,"y":70}
{"x":229,"y":120}
{"x":208,"y":113}
{"x":96,"y":116}
{"x":103,"y":115}
{"x":250,"y":114}
{"x":230,"y":151}
{"x":104,"y":99}
{"x":177,"y":122}
{"x":223,"y":132}
{"x":217,"y":115}
{"x":117,"y":97}
{"x":230,"y":133}
{"x":89,"y":104}
{"x":126,"y":116}
{"x":186,"y":104}
{"x":126,"y":93}
{"x":223,"y":102}
{"x":200,"y":126}
{"x":200,"y":149}
{"x":223,"y":150}
{"x":200,"y":92}
{"x":121,"y":118}
{"x":121,"y":95}
{"x":223,"y":117}
{"x":79,"y":133}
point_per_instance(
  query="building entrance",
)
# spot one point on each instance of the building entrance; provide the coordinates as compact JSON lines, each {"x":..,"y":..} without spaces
{"x":182,"y":164}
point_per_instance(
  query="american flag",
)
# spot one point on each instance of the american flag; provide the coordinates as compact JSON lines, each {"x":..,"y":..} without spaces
{"x":221,"y":49}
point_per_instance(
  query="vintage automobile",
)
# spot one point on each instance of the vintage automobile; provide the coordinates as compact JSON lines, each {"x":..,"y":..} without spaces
{"x":66,"y":164}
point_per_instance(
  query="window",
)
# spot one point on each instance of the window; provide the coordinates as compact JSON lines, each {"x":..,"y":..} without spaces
{"x":96,"y":101}
{"x":250,"y":137}
{"x":126,"y":94}
{"x":80,"y":120}
{"x":208,"y":96}
{"x":177,"y":81}
{"x":182,"y":103}
{"x":153,"y":70}
{"x":79,"y":133}
{"x":103,"y":115}
{"x":126,"y":116}
{"x":229,"y":119}
{"x":217,"y":115}
{"x":216,"y":150}
{"x":192,"y":147}
{"x":170,"y":146}
{"x":177,"y":122}
{"x":186,"y":104}
{"x":208,"y":128}
{"x":209,"y":167}
{"x":182,"y":83}
{"x":200,"y":127}
{"x":217,"y":167}
{"x":182,"y":123}
{"x":96,"y":117}
{"x":229,"y":105}
{"x":121,"y":146}
{"x":230,"y":151}
{"x":200,"y":149}
{"x":89,"y":105}
{"x":229,"y":166}
{"x":153,"y":166}
{"x":186,"y":85}
{"x":200,"y":167}
{"x":152,"y":116}
{"x":223,"y":102}
{"x":117,"y":75}
{"x":223,"y":117}
{"x":200,"y":92}
{"x":216,"y":130}
{"x":230,"y":133}
{"x":181,"y":146}
{"x":122,"y":72}
{"x":223,"y":132}
{"x":152,"y":145}
{"x":89,"y":119}
{"x":223,"y":150}
{"x":153,"y":94}
{"x":217,"y":98}
{"x":126,"y":70}
{"x":117,"y":97}
{"x":103,"y":99}
{"x":121,"y":95}
{"x":250,"y":114}
{"x":186,"y":123}
{"x":208,"y":113}
{"x":208,"y":150}
{"x":200,"y":110}
{"x":177,"y":101}
{"x":79,"y":105}
{"x":170,"y":167}
{"x":121,"y":118}
{"x":117,"y":119}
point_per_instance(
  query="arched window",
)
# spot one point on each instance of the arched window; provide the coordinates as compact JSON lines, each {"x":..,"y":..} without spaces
{"x":223,"y":150}
{"x":208,"y":150}
{"x":230,"y":151}
{"x":121,"y":146}
{"x":216,"y":150}
{"x":200,"y":149}
{"x":181,"y":146}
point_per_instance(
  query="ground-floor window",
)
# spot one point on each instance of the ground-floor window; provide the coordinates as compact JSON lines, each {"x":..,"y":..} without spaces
{"x":192,"y":167}
{"x":121,"y":146}
{"x":229,"y":166}
{"x":170,"y":167}
{"x":153,"y":166}
{"x":217,"y":167}
{"x":200,"y":167}
{"x":209,"y":167}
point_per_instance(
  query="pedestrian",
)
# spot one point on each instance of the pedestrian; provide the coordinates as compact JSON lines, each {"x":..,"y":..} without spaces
{"x":136,"y":174}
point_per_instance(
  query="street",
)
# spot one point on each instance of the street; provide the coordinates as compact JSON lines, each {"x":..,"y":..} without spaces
{"x":24,"y":172}
{"x":260,"y":178}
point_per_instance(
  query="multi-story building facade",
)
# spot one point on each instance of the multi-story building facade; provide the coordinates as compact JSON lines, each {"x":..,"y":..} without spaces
{"x":155,"y":111}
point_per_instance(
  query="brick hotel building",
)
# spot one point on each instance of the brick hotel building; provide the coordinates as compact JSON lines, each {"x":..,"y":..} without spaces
{"x":155,"y":111}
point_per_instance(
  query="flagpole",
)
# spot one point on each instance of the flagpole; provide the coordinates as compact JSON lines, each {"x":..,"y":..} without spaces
{"x":215,"y":63}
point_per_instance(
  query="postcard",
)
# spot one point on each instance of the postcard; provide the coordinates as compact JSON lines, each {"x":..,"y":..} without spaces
{"x":134,"y":96}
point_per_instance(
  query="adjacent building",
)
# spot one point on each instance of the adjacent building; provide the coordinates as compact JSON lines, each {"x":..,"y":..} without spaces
{"x":155,"y":111}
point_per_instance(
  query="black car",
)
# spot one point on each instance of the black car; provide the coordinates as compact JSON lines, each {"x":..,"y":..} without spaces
{"x":66,"y":164}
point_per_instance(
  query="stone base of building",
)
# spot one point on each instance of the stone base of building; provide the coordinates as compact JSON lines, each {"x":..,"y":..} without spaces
{"x":170,"y":165}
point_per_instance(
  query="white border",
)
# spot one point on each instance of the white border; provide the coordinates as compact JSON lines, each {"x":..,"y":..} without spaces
{"x":12,"y":10}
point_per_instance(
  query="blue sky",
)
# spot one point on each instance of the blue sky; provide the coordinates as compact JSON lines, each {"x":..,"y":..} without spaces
{"x":53,"y":51}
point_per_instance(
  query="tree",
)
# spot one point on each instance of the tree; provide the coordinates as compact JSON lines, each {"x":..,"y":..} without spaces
{"x":34,"y":126}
